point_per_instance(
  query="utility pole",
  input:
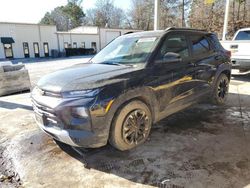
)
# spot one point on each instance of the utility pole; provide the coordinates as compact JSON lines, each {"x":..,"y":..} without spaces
{"x":183,"y":14}
{"x":225,"y":20}
{"x":156,"y":15}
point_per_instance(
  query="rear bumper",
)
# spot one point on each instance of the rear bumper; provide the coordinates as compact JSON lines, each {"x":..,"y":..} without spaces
{"x":240,"y":63}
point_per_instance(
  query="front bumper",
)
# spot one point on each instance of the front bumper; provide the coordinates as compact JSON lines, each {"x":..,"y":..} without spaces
{"x":72,"y":137}
{"x":55,"y":118}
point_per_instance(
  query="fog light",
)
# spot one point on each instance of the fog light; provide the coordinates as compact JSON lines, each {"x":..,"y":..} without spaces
{"x":79,"y":112}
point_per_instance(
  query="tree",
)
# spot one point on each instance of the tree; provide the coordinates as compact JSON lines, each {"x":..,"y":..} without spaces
{"x":75,"y":13}
{"x":171,"y":13}
{"x":105,"y":14}
{"x":211,"y":16}
{"x":65,"y":17}
{"x":47,"y":19}
{"x":142,"y":14}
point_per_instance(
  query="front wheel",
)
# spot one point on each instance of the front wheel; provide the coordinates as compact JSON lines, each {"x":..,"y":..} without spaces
{"x":131,"y":126}
{"x":220,"y":91}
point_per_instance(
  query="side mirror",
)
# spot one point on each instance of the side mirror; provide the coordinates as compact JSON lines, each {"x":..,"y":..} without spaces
{"x":170,"y":57}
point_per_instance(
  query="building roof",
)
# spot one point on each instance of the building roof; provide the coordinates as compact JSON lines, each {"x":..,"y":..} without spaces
{"x":20,"y":23}
{"x":75,"y":33}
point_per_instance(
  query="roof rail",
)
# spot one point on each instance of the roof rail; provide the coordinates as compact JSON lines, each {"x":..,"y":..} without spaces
{"x":183,"y":28}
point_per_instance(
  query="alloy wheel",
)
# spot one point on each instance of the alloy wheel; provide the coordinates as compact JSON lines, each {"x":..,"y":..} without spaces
{"x":136,"y":127}
{"x":222,"y":88}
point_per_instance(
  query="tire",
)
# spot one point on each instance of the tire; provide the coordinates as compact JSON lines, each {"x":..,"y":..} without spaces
{"x":131,"y":126}
{"x":220,"y":92}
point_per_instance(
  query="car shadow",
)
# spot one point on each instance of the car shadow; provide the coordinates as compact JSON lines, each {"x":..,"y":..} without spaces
{"x":171,"y":145}
{"x":12,"y":106}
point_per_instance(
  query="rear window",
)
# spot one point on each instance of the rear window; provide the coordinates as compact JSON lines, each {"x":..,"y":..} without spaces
{"x":243,"y":35}
{"x":200,"y":45}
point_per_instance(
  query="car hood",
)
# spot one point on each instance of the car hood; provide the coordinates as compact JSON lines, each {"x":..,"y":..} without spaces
{"x":84,"y":76}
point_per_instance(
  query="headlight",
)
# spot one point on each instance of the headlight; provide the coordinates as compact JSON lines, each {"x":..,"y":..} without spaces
{"x":81,"y":93}
{"x":37,"y":91}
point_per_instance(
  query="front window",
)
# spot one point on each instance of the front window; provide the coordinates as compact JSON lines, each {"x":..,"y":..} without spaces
{"x":127,"y":50}
{"x":175,"y":44}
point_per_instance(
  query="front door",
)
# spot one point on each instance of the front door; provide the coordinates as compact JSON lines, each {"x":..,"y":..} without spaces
{"x":36,"y":49}
{"x":46,"y":49}
{"x":8,"y":50}
{"x":26,"y":50}
{"x":173,"y":80}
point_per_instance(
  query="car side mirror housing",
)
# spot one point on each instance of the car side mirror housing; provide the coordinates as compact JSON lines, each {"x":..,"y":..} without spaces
{"x":170,"y":57}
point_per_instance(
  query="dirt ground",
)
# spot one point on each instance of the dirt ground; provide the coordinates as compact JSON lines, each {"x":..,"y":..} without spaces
{"x":204,"y":146}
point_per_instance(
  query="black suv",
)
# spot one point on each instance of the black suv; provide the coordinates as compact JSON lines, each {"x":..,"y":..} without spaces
{"x":135,"y":81}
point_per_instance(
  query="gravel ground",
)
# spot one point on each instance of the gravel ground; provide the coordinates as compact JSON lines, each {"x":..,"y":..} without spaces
{"x":204,"y":146}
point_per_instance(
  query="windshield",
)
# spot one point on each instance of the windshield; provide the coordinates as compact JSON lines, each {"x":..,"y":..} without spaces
{"x":243,"y":35}
{"x":126,"y":50}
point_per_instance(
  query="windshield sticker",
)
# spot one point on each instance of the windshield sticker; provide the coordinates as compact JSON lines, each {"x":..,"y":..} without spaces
{"x":152,"y":39}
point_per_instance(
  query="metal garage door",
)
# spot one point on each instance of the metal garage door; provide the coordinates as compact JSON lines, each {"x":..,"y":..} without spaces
{"x":111,"y":35}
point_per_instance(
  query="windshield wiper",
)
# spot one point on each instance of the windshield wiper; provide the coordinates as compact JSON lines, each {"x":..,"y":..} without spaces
{"x":117,"y":64}
{"x":111,"y":63}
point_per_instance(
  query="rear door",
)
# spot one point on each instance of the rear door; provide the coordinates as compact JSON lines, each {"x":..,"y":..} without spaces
{"x":205,"y":58}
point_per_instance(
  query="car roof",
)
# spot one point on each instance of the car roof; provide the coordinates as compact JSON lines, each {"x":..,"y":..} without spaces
{"x":245,"y":29}
{"x":160,"y":33}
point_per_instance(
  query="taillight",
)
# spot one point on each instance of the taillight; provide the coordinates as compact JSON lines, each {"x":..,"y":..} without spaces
{"x":229,"y":54}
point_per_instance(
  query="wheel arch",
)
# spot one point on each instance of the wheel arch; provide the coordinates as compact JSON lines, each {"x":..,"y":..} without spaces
{"x":222,"y":69}
{"x":227,"y":73}
{"x":145,"y":95}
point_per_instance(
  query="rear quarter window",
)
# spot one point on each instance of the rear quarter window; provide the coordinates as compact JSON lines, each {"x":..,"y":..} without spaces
{"x":215,"y":41}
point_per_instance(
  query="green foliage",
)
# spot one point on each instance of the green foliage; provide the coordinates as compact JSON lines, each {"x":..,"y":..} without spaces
{"x":47,"y":19}
{"x":65,"y":17}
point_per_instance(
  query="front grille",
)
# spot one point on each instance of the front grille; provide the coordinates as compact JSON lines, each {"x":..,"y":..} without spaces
{"x":52,"y":94}
{"x":47,"y":113}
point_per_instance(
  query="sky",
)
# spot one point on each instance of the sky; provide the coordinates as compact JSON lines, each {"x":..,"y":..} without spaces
{"x":32,"y":11}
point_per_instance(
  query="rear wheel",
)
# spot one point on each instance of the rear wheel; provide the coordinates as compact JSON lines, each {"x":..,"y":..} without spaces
{"x":220,"y":92}
{"x":131,"y":126}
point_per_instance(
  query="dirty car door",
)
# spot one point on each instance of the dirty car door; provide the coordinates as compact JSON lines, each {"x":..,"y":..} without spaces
{"x":206,"y":60}
{"x":173,"y":77}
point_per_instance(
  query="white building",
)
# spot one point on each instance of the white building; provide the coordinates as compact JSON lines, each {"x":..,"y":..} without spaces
{"x":21,"y":40}
{"x":80,"y":37}
{"x":26,"y":40}
{"x":105,"y":35}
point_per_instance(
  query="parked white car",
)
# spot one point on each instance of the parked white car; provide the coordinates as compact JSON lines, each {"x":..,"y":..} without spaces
{"x":240,"y":49}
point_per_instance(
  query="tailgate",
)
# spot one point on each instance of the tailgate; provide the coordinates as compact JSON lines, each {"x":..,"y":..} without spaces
{"x":239,"y":49}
